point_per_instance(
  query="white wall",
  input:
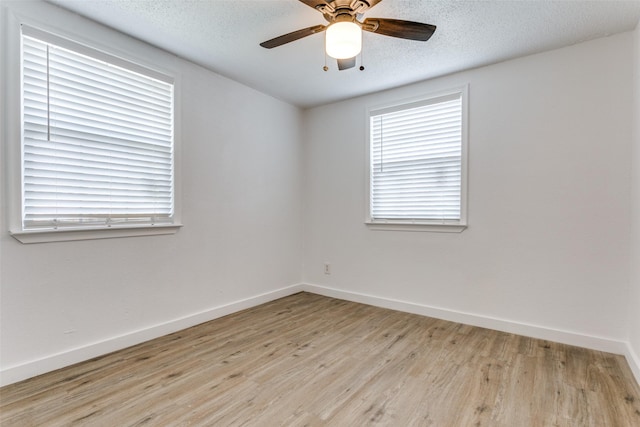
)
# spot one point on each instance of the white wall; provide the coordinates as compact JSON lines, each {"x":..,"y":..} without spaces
{"x":547,"y":249}
{"x":634,"y":300}
{"x":241,"y":237}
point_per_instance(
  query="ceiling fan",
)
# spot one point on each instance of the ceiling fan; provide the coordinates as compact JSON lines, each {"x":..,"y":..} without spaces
{"x":344,"y":32}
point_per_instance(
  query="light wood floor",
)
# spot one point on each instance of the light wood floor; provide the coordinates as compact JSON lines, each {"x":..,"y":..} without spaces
{"x":312,"y":360}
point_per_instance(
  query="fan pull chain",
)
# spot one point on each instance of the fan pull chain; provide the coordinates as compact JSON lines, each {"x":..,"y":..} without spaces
{"x":325,"y":68}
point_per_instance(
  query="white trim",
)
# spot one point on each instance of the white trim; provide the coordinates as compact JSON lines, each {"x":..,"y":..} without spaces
{"x":416,"y":226}
{"x":86,"y":48}
{"x":52,"y":362}
{"x":633,"y":359}
{"x":16,"y":21}
{"x":32,"y":368}
{"x":534,"y":331}
{"x":66,"y":235}
{"x":13,"y":137}
{"x":400,"y":225}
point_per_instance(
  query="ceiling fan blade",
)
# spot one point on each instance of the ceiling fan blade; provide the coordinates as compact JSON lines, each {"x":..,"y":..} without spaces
{"x":398,"y":28}
{"x":290,"y":37}
{"x":345,"y":64}
{"x":315,"y":3}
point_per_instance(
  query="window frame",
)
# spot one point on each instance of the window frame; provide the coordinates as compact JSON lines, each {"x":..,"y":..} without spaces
{"x":13,"y":135}
{"x":455,"y":226}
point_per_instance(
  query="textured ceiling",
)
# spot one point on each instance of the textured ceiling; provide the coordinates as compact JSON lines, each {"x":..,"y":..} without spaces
{"x":224,"y":36}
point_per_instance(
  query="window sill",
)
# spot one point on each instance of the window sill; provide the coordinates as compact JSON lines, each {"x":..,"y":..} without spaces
{"x":416,"y":226}
{"x":66,"y":235}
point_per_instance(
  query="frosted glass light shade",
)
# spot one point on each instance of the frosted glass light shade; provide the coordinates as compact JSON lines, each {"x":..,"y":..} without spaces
{"x":343,"y":40}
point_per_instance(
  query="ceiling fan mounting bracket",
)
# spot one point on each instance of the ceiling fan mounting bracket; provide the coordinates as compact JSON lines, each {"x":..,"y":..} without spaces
{"x":342,"y":10}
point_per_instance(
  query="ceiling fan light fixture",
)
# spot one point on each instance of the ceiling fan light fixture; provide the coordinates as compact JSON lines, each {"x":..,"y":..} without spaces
{"x":343,"y":40}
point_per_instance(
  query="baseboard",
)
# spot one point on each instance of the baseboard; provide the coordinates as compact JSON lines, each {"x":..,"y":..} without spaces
{"x":30,"y":369}
{"x":633,"y":359}
{"x":534,"y":331}
{"x":50,"y":363}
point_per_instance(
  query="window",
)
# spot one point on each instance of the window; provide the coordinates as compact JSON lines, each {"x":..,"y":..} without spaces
{"x":97,"y":140}
{"x":417,"y":163}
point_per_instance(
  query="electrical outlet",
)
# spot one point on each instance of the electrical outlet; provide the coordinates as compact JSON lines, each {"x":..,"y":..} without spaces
{"x":327,"y":268}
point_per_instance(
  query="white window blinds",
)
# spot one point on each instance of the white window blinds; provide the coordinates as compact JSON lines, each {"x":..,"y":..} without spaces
{"x":97,"y":141}
{"x":416,"y":161}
